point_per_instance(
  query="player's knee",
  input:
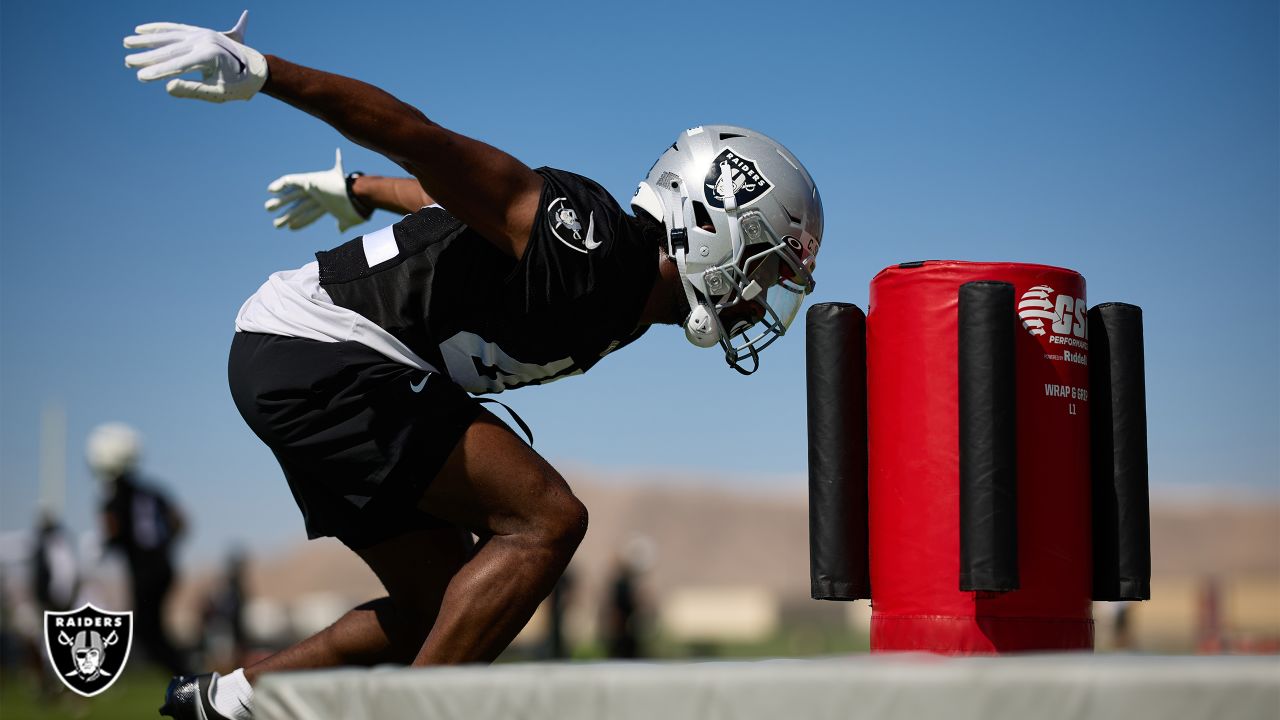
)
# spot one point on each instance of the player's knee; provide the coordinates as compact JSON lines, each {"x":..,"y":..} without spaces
{"x":573,"y":522}
{"x":562,"y":522}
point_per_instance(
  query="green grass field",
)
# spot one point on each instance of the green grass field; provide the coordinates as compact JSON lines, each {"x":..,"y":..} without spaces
{"x":135,"y":696}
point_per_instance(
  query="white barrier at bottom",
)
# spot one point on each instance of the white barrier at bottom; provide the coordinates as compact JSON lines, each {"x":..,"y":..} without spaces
{"x":884,"y":687}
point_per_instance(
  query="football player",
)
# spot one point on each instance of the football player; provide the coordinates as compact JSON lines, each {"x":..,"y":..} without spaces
{"x":359,"y":370}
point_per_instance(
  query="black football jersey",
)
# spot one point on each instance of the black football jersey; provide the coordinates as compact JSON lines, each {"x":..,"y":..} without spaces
{"x":493,"y":322}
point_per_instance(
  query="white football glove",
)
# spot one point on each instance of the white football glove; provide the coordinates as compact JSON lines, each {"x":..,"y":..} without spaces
{"x":306,"y":197}
{"x":229,"y":70}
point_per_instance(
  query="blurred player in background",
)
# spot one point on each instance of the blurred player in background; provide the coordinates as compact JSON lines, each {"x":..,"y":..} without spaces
{"x":359,"y":370}
{"x":225,"y":637}
{"x":143,"y":525}
{"x":624,"y":607}
{"x":55,"y":570}
{"x":55,"y":583}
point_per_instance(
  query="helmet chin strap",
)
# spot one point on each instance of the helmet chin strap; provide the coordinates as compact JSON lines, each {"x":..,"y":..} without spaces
{"x":755,"y":361}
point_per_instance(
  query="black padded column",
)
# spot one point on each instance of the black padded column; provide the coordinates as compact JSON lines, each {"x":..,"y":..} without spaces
{"x":1118,"y":411}
{"x":836,"y":359}
{"x":988,"y":438}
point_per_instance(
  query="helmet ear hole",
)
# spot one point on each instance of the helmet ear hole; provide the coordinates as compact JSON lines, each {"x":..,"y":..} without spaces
{"x":702,"y":216}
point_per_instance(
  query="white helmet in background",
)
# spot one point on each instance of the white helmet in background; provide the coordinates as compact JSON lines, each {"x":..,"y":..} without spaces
{"x":113,"y":450}
{"x":744,"y":223}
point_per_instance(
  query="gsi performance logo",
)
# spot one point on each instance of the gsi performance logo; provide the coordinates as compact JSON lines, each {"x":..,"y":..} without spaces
{"x":88,"y":647}
{"x":1066,"y":319}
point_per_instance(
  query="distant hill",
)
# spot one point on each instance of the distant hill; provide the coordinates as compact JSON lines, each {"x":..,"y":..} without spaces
{"x":709,"y":534}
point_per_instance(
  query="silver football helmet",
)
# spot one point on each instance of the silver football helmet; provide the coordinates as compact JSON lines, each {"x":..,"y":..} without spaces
{"x":744,"y":222}
{"x":112,"y":450}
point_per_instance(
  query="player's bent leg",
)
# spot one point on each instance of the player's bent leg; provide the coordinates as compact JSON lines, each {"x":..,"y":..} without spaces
{"x":496,"y":485}
{"x":415,"y":568}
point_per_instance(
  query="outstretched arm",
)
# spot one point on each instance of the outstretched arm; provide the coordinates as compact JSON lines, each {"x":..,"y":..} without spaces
{"x":491,"y":191}
{"x":400,"y":195}
{"x":486,"y":188}
{"x":300,"y":199}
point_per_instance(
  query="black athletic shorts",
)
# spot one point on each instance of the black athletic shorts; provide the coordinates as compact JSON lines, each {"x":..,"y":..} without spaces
{"x":359,"y":437}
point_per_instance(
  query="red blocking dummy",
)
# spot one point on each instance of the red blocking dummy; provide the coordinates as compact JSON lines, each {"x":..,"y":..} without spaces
{"x":914,"y":478}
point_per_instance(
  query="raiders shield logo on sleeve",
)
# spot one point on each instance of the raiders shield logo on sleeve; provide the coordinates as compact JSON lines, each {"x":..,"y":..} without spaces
{"x":88,"y":647}
{"x":567,"y":226}
{"x":744,"y":181}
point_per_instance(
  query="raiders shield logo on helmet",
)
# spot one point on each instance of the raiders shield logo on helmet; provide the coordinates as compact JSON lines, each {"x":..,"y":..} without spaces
{"x":88,"y":647}
{"x":744,"y":181}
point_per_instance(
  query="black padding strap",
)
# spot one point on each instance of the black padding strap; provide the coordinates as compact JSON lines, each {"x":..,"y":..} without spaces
{"x":519,"y":421}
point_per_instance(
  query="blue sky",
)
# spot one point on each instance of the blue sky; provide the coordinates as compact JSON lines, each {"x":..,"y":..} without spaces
{"x":1134,"y":142}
